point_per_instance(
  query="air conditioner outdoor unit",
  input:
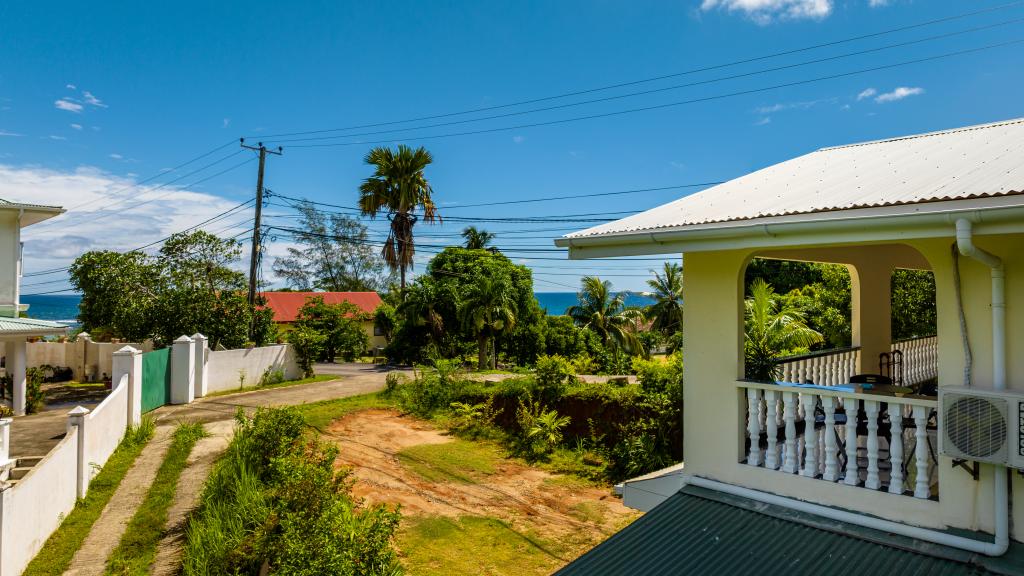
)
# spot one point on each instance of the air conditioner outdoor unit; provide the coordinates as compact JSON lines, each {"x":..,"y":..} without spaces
{"x":982,"y":425}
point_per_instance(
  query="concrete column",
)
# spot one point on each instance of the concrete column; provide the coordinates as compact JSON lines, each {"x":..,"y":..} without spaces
{"x":872,"y":313}
{"x":16,"y":368}
{"x":128,"y":361}
{"x":5,"y":439}
{"x":183,"y":370}
{"x":76,"y":419}
{"x":80,"y":367}
{"x":201,"y":374}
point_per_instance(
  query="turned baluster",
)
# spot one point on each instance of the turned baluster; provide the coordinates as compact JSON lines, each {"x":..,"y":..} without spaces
{"x":771,"y":455}
{"x":754,"y":425}
{"x":852,"y":476}
{"x":871,"y":411}
{"x":921,"y":487}
{"x":789,"y":463}
{"x":810,"y":437}
{"x":896,"y":449}
{"x":828,"y":403}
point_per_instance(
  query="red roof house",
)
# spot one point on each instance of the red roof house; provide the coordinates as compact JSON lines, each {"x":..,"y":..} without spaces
{"x":286,"y":304}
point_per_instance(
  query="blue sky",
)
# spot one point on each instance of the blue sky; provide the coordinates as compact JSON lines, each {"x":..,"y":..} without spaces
{"x":96,"y":97}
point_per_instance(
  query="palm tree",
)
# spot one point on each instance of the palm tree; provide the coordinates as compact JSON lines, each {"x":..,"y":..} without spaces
{"x":398,"y":188}
{"x":772,"y":328}
{"x":488,"y":310}
{"x":667,"y":310}
{"x":607,"y":315}
{"x":477,"y":239}
{"x":422,"y":309}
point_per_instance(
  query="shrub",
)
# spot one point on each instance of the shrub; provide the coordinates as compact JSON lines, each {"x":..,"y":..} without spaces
{"x":34,"y":397}
{"x":393,"y":381}
{"x":546,"y":431}
{"x":433,"y":388}
{"x":308,"y":345}
{"x":584,"y":363}
{"x":271,"y":376}
{"x":554,"y":374}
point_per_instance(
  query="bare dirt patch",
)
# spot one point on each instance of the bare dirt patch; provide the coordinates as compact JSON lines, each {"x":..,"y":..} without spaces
{"x":525,"y":497}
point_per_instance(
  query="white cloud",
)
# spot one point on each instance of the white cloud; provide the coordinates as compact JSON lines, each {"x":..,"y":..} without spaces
{"x":101,"y":224}
{"x":677,"y":164}
{"x":71,"y":87}
{"x":76,"y":126}
{"x":878,"y":3}
{"x":55,"y":137}
{"x":225,"y":122}
{"x":763,"y":121}
{"x":899,"y":94}
{"x":766,"y":11}
{"x":518,"y":139}
{"x":69,"y":105}
{"x":780,"y":106}
{"x":866,"y":93}
{"x":90,"y":99}
{"x":8,"y":133}
{"x":116,"y":156}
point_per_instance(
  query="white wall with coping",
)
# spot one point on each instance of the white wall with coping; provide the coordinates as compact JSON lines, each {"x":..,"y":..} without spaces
{"x":105,"y":427}
{"x":87,"y":359}
{"x":34,"y":507}
{"x":224,"y":367}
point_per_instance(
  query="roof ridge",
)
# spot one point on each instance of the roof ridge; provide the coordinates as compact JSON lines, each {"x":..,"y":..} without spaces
{"x":926,"y":134}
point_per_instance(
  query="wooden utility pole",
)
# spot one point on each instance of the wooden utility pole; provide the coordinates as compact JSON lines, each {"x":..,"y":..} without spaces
{"x":254,"y":260}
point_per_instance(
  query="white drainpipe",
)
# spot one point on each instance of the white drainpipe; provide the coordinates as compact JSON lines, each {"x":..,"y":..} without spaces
{"x":1002,"y":507}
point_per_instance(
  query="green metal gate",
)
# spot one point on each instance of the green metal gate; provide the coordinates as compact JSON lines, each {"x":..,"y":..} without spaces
{"x":156,"y":379}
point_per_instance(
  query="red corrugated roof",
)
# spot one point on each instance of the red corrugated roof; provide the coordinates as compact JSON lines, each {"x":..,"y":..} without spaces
{"x":286,"y":304}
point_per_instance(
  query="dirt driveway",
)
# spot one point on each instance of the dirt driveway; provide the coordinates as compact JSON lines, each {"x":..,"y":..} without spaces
{"x":529,"y":499}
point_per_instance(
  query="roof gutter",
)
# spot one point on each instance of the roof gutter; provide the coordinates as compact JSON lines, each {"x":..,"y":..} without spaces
{"x":783,"y":231}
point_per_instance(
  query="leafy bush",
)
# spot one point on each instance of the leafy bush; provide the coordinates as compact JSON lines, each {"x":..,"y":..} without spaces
{"x":308,"y":345}
{"x":554,"y":374}
{"x":393,"y":381}
{"x":276,"y":503}
{"x":271,"y":376}
{"x":34,"y":397}
{"x":433,"y":388}
{"x":546,"y":431}
{"x":584,"y":363}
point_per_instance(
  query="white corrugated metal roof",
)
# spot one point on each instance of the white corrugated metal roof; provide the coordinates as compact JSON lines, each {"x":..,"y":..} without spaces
{"x":30,"y":327}
{"x":971,"y":162}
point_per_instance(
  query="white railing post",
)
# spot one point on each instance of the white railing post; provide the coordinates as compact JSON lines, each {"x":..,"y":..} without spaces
{"x":810,"y":436}
{"x":128,"y":361}
{"x":771,"y":454}
{"x":754,"y":426}
{"x":201,"y":377}
{"x":871,"y":411}
{"x":789,"y":463}
{"x":852,"y":475}
{"x":896,"y":449}
{"x":76,"y":419}
{"x":921,"y":486}
{"x":183,"y":371}
{"x":828,"y":404}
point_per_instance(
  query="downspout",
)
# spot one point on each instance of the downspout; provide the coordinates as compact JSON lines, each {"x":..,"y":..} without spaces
{"x":1001,"y":492}
{"x":965,"y":244}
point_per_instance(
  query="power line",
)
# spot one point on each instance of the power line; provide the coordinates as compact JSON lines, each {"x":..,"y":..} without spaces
{"x":665,"y":76}
{"x":661,"y":89}
{"x":675,"y":104}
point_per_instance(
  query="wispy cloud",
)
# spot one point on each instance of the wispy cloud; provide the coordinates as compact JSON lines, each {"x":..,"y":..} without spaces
{"x":69,"y":105}
{"x":71,"y":87}
{"x":116,"y":156}
{"x":56,"y":137}
{"x":899,"y":94}
{"x":76,"y":126}
{"x":781,"y":106}
{"x":866,"y":93}
{"x":878,"y":3}
{"x":225,"y":122}
{"x":518,"y":139}
{"x":92,"y":100}
{"x":8,"y":133}
{"x":767,"y":11}
{"x":763,"y":121}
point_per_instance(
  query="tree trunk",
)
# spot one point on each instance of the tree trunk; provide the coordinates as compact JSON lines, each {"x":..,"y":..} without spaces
{"x":402,"y":274}
{"x":481,"y":342}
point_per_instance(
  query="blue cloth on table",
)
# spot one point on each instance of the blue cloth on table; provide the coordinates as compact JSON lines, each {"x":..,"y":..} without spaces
{"x":843,"y":387}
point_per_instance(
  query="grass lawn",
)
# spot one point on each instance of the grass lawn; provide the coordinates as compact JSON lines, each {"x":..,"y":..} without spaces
{"x":60,"y":548}
{"x":474,"y":545}
{"x":285,"y":384}
{"x":320,"y":414}
{"x":137,"y":548}
{"x":460,"y":461}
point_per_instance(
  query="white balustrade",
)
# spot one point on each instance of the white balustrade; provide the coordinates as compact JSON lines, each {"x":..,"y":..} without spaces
{"x":828,"y":446}
{"x":920,"y":359}
{"x":835,"y":367}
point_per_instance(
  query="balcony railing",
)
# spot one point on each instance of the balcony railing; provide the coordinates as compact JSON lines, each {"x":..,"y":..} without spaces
{"x":837,"y":435}
{"x":919,"y":358}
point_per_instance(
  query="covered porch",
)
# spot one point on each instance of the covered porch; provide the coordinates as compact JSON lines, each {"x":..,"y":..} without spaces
{"x":15,"y":333}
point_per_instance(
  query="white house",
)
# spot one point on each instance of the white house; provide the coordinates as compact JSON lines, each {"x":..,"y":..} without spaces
{"x":774,"y":480}
{"x":14,"y":330}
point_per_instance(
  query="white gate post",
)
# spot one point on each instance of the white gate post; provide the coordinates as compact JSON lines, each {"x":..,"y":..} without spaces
{"x":17,"y":369}
{"x":128,"y":361}
{"x":201,"y":375}
{"x":183,"y":371}
{"x":76,"y":419}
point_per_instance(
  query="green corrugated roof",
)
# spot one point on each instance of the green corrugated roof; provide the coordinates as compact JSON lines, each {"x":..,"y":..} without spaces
{"x":30,"y":327}
{"x":698,"y":531}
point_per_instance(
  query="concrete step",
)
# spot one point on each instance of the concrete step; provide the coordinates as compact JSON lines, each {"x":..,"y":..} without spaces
{"x":29,"y":461}
{"x":19,"y":473}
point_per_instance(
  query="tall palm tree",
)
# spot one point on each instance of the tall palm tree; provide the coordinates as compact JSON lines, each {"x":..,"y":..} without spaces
{"x":488,"y":310}
{"x":607,"y":315}
{"x":772,"y":328}
{"x":667,"y":310}
{"x":477,"y":239}
{"x":398,"y":188}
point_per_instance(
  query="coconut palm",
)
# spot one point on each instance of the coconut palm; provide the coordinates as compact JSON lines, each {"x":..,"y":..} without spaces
{"x":667,"y":310}
{"x":607,"y":315}
{"x":421,"y":307}
{"x":398,"y":188}
{"x":488,"y":310}
{"x":477,"y":239}
{"x":772,"y":327}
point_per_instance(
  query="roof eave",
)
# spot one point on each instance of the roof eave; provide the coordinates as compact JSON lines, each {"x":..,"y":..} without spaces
{"x":891,"y":223}
{"x":33,"y":214}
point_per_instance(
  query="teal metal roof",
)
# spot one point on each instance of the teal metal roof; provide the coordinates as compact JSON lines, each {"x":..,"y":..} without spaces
{"x":30,"y":327}
{"x":699,"y":531}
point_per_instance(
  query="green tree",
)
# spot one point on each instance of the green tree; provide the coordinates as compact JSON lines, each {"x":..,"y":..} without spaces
{"x":340,"y":325}
{"x":913,"y":304}
{"x":667,"y":310}
{"x":398,"y":188}
{"x":772,"y":328}
{"x":335,"y":255}
{"x":119,"y":293}
{"x":477,"y":239}
{"x":607,"y":315}
{"x":488,"y":310}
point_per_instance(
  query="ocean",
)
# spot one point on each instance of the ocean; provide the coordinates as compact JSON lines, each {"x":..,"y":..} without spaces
{"x":64,"y":307}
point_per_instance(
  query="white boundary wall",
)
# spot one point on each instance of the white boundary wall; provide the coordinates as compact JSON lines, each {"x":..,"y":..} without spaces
{"x":105,"y":427}
{"x":33,"y":508}
{"x":224,"y":367}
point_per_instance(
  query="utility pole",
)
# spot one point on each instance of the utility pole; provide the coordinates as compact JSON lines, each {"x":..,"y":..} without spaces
{"x":254,"y":260}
